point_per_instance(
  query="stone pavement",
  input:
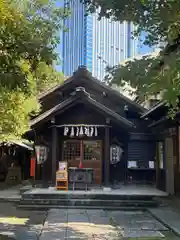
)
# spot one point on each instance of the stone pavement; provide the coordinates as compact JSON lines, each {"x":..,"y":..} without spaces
{"x":11,"y":193}
{"x":80,"y":224}
{"x":20,"y":224}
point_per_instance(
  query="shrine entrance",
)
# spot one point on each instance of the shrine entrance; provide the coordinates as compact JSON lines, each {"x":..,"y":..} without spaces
{"x":87,"y":153}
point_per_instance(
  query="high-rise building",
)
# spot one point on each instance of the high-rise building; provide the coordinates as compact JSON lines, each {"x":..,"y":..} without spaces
{"x":93,"y":43}
{"x":112,"y":43}
{"x":77,"y":40}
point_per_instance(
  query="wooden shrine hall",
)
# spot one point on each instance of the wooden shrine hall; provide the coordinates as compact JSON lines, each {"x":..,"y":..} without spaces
{"x":89,"y":125}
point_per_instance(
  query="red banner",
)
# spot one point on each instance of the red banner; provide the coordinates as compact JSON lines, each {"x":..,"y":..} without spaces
{"x":33,"y":167}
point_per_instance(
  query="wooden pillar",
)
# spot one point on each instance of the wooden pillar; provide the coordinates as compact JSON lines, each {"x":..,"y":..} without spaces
{"x":176,"y":160}
{"x":54,"y":154}
{"x":107,"y":156}
{"x":157,"y":164}
{"x":169,"y":165}
{"x":126,"y":149}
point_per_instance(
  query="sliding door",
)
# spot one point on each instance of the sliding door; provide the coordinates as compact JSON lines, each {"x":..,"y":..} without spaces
{"x":87,"y":152}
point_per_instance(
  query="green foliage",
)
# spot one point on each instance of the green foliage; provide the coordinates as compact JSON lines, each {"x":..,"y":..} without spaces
{"x":138,"y":74}
{"x":47,"y":77}
{"x":28,"y":40}
{"x":161,"y":21}
{"x":15,"y":107}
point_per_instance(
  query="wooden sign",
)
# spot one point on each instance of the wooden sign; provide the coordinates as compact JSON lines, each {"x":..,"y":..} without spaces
{"x":62,"y":176}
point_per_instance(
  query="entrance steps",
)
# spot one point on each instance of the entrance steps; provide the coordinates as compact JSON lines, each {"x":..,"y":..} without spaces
{"x":45,"y":199}
{"x":86,"y":203}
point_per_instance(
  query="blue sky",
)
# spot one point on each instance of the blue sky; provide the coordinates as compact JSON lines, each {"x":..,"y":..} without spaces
{"x":143,"y":49}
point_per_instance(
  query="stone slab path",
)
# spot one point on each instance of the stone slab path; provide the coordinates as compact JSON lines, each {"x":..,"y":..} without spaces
{"x":169,"y":216}
{"x":20,"y":224}
{"x":80,"y":224}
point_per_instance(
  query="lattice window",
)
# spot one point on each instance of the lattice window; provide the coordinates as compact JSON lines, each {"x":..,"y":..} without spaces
{"x":71,"y":150}
{"x":92,"y":150}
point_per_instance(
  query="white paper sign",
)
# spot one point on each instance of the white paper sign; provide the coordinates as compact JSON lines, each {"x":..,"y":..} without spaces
{"x":151,"y":164}
{"x":62,"y":166}
{"x":132,"y":164}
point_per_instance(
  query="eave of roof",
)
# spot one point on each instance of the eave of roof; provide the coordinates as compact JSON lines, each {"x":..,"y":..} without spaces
{"x":158,"y":105}
{"x":158,"y":122}
{"x":18,"y":143}
{"x":110,"y":112}
{"x":120,"y":95}
{"x":83,"y":72}
{"x":72,"y":100}
{"x":52,"y":110}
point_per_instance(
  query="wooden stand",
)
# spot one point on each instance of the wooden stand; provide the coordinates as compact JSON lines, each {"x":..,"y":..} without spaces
{"x":62,"y":177}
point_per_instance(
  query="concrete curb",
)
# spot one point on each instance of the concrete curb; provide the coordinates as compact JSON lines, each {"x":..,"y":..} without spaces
{"x":170,"y":227}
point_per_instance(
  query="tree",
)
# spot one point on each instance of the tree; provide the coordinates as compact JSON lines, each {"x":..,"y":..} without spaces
{"x":161,"y":21}
{"x":28,"y":39}
{"x":47,"y":77}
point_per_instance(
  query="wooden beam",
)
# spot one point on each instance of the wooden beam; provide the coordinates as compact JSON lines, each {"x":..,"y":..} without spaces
{"x":107,"y":156}
{"x":54,"y":154}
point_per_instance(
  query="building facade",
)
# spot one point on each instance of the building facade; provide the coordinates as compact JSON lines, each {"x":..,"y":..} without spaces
{"x":112,"y":43}
{"x":74,"y":40}
{"x":93,"y":43}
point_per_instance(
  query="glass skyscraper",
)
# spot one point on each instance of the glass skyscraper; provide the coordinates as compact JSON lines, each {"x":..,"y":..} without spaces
{"x":112,"y":43}
{"x":93,"y":43}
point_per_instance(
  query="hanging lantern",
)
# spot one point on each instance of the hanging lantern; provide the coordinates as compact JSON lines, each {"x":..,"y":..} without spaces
{"x":41,"y":153}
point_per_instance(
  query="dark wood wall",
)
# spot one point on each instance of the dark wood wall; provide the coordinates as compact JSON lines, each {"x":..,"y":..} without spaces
{"x":142,"y":149}
{"x":81,"y":114}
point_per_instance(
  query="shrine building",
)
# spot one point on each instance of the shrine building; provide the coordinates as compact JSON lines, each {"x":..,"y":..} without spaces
{"x":88,"y":124}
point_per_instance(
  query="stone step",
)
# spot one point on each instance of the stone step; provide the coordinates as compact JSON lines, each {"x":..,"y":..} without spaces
{"x":89,"y":202}
{"x":47,"y":207}
{"x":87,"y":195}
